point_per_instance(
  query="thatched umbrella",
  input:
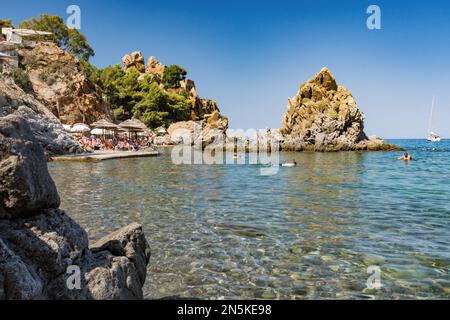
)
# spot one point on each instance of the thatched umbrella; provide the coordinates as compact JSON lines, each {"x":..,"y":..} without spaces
{"x":80,"y":128}
{"x":133,"y":125}
{"x":104,"y":125}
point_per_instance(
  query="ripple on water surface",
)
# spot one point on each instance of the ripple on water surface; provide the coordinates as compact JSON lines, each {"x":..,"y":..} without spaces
{"x":224,"y":231}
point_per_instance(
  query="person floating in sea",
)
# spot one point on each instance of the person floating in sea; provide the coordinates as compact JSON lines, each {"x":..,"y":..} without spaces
{"x":406,"y":156}
{"x":289,"y":164}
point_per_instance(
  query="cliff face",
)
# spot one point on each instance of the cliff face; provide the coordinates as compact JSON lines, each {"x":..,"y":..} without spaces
{"x":61,"y":84}
{"x":324,"y":116}
{"x":46,"y":128}
{"x":41,"y":247}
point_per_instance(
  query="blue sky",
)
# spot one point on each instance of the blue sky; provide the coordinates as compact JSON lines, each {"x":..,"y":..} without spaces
{"x":251,"y":55}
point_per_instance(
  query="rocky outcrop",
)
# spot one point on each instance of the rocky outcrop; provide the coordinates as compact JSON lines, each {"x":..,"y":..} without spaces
{"x":25,"y":184}
{"x":200,"y":133}
{"x":134,"y":59}
{"x":155,"y":68}
{"x":201,"y":108}
{"x":44,"y":254}
{"x":60,"y":82}
{"x":324,"y":116}
{"x":45,"y":127}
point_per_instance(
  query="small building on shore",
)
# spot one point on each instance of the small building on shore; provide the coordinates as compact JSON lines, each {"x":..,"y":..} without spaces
{"x":19,"y":35}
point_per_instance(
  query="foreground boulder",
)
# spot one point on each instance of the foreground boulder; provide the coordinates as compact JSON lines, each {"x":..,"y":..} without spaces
{"x":44,"y":254}
{"x":25,"y":184}
{"x":324,"y":116}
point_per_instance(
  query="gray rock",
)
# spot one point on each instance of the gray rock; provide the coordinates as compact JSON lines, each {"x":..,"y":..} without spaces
{"x":46,"y":128}
{"x":38,"y":242}
{"x":25,"y":184}
{"x":35,"y":254}
{"x":129,"y":242}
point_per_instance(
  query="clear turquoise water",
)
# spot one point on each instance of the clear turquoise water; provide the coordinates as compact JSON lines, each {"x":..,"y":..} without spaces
{"x":224,"y":231}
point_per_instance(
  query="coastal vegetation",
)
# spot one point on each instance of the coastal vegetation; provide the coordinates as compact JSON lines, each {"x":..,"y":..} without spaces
{"x":70,"y":40}
{"x":143,"y":99}
{"x":155,"y":100}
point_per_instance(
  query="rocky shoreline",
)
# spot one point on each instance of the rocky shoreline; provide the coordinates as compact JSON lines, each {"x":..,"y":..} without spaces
{"x":40,"y":245}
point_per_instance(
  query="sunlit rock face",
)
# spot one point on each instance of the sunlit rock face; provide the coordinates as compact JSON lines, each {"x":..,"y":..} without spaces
{"x":324,"y":116}
{"x":61,"y":83}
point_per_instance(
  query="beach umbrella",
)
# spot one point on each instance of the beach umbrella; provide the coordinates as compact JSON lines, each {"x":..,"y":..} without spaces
{"x":133,"y":125}
{"x":80,"y":128}
{"x":97,"y":131}
{"x":161,"y":130}
{"x":145,"y":133}
{"x":104,"y":125}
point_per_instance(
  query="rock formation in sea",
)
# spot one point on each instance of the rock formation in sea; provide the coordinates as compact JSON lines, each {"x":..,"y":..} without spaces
{"x":41,"y":248}
{"x":60,"y":82}
{"x":205,"y":113}
{"x":324,"y":116}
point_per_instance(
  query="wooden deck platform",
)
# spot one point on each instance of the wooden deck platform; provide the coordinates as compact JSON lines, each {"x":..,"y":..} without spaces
{"x":105,"y":155}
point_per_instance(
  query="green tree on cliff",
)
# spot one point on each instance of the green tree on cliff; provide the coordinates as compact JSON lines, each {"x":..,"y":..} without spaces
{"x":121,"y":90}
{"x":68,"y":39}
{"x":158,"y":107}
{"x":173,"y":75}
{"x":143,"y":99}
{"x":5,"y":23}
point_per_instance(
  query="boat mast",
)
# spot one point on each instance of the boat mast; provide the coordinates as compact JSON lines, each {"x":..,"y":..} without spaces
{"x":431,"y":116}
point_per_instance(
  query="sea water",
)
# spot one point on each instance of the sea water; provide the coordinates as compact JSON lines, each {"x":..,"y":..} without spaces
{"x":316,"y":231}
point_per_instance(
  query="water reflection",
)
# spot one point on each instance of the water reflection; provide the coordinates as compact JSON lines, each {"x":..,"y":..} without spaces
{"x":224,"y":231}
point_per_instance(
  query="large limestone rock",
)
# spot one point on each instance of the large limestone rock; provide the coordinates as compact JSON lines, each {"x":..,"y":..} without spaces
{"x":134,"y":59}
{"x":41,"y":247}
{"x":45,"y":127}
{"x":324,"y":116}
{"x":60,"y":82}
{"x":155,"y":68}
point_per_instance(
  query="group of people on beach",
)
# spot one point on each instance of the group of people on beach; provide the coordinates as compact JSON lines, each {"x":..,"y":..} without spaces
{"x":94,"y":143}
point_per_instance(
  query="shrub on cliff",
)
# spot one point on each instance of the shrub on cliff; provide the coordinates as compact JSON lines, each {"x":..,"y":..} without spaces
{"x":21,"y":78}
{"x":173,"y":75}
{"x":142,"y":99}
{"x":158,"y":107}
{"x":120,"y":89}
{"x":5,"y":23}
{"x":68,"y":39}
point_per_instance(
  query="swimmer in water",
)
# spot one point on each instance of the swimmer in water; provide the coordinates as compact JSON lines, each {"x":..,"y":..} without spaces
{"x":406,"y":156}
{"x":289,"y":164}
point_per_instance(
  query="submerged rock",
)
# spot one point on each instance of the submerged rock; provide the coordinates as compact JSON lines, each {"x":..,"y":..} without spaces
{"x":41,"y":246}
{"x":324,"y":116}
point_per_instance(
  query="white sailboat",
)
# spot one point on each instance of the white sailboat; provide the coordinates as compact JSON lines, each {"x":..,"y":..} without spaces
{"x":433,"y":137}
